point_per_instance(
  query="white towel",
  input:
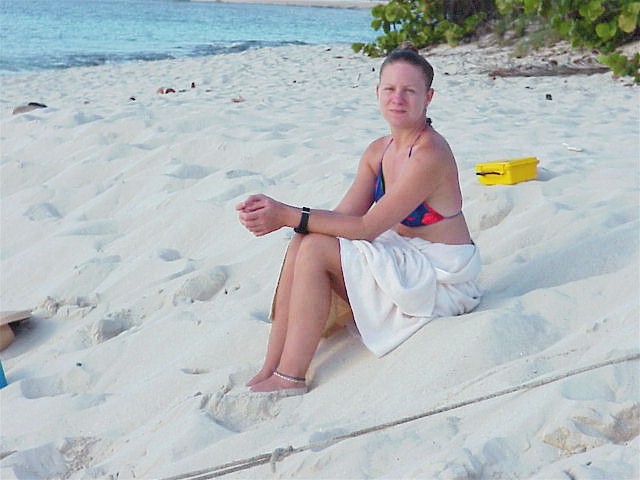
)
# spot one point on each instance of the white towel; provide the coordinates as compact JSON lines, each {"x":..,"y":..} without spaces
{"x":397,"y":284}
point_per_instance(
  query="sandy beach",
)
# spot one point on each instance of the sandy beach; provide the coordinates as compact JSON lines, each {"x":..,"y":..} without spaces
{"x":150,"y":301}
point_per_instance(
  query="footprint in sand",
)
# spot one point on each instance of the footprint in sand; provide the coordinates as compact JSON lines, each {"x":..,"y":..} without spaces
{"x":497,"y":209}
{"x":108,"y":327}
{"x":96,"y":227}
{"x":82,"y":118}
{"x":189,"y":266}
{"x":201,"y":287}
{"x":594,"y":428}
{"x":94,"y":271}
{"x":239,"y":410}
{"x":75,"y":381}
{"x":169,"y":254}
{"x":33,"y":388}
{"x":583,"y":388}
{"x":195,"y":371}
{"x":617,"y":428}
{"x":239,"y":173}
{"x":60,"y":459}
{"x":42,"y":211}
{"x":190,"y":172}
{"x":111,"y":326}
{"x":287,"y":150}
{"x":70,"y":308}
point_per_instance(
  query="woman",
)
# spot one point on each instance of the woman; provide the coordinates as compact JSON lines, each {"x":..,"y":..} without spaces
{"x":395,"y":264}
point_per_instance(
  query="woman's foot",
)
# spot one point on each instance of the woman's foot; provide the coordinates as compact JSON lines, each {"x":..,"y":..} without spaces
{"x":261,"y":376}
{"x":278,"y":382}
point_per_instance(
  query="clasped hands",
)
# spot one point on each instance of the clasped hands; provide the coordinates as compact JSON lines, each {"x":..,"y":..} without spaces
{"x":261,"y":214}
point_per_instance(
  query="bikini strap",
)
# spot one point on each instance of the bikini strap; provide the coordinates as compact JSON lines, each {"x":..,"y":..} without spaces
{"x":387,"y":147}
{"x":416,"y":141}
{"x":427,"y":123}
{"x":385,"y":151}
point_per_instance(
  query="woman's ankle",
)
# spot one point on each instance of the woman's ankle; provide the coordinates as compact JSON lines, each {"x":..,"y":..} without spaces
{"x":262,"y":375}
{"x":290,"y":378}
{"x":265,"y":372}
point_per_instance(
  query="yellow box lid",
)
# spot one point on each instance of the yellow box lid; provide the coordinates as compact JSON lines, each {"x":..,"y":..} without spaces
{"x":499,"y":166}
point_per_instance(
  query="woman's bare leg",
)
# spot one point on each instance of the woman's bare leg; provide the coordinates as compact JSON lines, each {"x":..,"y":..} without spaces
{"x":317,"y":272}
{"x":281,"y":314}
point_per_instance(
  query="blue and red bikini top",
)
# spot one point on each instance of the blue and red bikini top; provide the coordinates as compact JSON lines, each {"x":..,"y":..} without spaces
{"x":423,"y":213}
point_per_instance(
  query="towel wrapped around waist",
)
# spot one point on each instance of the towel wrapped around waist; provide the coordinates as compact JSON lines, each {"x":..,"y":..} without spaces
{"x":397,"y":284}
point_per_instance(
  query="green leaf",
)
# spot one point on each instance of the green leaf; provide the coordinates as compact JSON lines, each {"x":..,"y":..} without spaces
{"x":633,"y":7}
{"x":453,"y":36}
{"x":378,"y":11}
{"x":627,"y":23}
{"x":592,"y":10}
{"x":546,"y":8}
{"x":427,"y":31}
{"x":392,"y":12}
{"x":628,"y":19}
{"x":531,"y":6}
{"x":562,"y":26}
{"x":606,"y":31}
{"x":505,"y":7}
{"x":614,"y":61}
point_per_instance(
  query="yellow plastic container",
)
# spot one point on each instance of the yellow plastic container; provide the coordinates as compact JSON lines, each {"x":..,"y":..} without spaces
{"x":507,"y":172}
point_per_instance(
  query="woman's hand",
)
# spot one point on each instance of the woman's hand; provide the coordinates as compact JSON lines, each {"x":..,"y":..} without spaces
{"x":261,"y":214}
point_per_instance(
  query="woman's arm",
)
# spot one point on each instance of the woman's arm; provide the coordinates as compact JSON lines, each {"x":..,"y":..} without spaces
{"x":261,"y":214}
{"x":353,"y":218}
{"x":420,"y":177}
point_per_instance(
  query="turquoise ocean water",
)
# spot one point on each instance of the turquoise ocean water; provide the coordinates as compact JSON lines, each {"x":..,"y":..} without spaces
{"x":54,"y":34}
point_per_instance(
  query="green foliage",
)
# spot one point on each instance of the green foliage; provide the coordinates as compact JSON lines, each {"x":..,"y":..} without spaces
{"x":622,"y":65}
{"x":599,"y":24}
{"x":603,"y":25}
{"x":542,"y":36}
{"x":595,"y":24}
{"x":421,"y":22}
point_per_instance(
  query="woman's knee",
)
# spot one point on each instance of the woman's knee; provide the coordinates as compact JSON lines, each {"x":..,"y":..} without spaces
{"x":317,"y":247}
{"x":317,"y":242}
{"x":294,"y":245}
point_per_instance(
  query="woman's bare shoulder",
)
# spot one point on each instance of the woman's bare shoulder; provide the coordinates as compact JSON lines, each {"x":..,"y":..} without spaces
{"x":376,"y":147}
{"x":434,"y":149}
{"x":378,"y":143}
{"x":434,"y":158}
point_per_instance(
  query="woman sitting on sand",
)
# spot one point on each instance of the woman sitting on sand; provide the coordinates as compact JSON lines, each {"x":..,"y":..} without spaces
{"x":396,"y":264}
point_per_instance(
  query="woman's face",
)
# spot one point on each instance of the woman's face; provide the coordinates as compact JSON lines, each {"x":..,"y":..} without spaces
{"x":403,"y":95}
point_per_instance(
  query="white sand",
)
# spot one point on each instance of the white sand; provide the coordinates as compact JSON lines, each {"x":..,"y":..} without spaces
{"x":118,"y":227}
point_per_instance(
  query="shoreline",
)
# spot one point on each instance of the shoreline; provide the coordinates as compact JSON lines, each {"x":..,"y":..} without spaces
{"x":348,"y":4}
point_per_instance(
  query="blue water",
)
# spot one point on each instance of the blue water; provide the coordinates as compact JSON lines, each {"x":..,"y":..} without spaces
{"x":53,"y":34}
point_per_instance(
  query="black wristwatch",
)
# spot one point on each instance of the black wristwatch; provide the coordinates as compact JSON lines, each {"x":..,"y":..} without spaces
{"x":304,"y":220}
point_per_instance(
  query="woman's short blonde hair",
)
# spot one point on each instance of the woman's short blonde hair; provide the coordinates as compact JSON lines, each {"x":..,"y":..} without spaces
{"x":407,"y":52}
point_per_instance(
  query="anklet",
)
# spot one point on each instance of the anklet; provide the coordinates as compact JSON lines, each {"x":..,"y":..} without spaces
{"x":289,"y":378}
